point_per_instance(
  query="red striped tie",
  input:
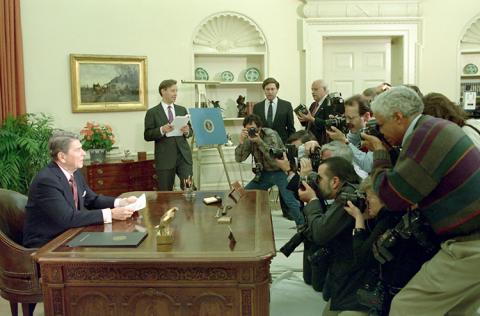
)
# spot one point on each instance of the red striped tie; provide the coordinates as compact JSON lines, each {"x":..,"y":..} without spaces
{"x":73,"y":185}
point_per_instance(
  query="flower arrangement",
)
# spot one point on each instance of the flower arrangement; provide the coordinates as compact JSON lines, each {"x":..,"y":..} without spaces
{"x":97,"y":136}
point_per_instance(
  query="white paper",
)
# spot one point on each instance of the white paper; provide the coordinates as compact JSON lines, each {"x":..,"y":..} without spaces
{"x":139,"y":204}
{"x":178,"y":123}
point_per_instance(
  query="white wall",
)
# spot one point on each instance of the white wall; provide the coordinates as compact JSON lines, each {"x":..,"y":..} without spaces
{"x":444,"y":24}
{"x":162,"y":30}
{"x":159,"y":29}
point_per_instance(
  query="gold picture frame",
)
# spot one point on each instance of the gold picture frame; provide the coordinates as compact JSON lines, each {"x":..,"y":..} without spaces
{"x":106,"y":83}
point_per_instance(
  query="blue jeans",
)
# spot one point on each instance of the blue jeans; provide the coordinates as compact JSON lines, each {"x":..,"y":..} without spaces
{"x":270,"y":178}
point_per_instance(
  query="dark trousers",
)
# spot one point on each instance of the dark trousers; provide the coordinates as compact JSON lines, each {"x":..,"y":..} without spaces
{"x":166,"y":177}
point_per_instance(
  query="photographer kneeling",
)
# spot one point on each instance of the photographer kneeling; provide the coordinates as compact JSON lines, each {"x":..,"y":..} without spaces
{"x":394,"y":249}
{"x":258,"y":141}
{"x":332,"y":230}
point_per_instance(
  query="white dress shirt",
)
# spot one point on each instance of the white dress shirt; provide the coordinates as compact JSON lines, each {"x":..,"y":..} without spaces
{"x":165,"y":109}
{"x":274,"y":108}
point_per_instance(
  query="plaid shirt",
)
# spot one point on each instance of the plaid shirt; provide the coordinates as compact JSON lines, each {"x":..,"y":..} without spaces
{"x":268,"y":139}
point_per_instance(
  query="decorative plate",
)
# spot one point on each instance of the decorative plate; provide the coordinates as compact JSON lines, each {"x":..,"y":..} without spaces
{"x":227,"y":76}
{"x":201,"y":74}
{"x":252,"y":74}
{"x":470,"y":69}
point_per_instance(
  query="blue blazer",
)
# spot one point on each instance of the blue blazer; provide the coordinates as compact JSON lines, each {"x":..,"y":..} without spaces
{"x":50,"y":209}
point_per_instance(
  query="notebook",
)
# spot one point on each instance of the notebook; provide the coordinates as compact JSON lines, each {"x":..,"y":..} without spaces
{"x":106,"y":239}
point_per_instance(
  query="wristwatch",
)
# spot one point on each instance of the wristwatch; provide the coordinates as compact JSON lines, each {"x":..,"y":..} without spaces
{"x":357,"y":231}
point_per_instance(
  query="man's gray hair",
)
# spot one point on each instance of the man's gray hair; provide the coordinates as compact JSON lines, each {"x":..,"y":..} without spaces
{"x":60,"y":142}
{"x":322,"y":83}
{"x":339,"y":149}
{"x":398,"y":99}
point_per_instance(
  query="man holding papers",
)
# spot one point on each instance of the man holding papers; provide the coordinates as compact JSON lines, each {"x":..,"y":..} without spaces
{"x":59,"y":198}
{"x":167,"y":125}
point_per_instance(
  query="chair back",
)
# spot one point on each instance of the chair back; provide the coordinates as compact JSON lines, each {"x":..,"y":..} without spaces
{"x":12,"y":214}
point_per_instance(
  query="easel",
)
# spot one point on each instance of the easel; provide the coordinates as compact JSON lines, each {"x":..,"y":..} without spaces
{"x":201,"y":95}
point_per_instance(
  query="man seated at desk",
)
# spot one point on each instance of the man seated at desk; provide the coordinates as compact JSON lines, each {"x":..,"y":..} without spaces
{"x":59,"y":198}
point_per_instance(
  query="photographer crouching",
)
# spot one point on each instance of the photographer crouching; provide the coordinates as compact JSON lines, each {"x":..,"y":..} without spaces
{"x":393,"y":246}
{"x":437,"y":170}
{"x":258,"y":142}
{"x":332,"y":230}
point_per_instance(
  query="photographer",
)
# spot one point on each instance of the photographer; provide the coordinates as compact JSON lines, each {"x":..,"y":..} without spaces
{"x":320,"y":110}
{"x":437,"y":170}
{"x":333,"y":229}
{"x":400,"y":257}
{"x":257,"y":141}
{"x":357,"y":114}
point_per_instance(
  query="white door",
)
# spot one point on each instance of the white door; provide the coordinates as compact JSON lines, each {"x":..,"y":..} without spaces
{"x":353,"y":64}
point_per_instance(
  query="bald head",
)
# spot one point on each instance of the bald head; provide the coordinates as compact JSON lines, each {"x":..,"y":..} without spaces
{"x":319,"y":90}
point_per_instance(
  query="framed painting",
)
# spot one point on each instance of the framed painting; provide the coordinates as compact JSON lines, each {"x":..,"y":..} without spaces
{"x":102,"y":83}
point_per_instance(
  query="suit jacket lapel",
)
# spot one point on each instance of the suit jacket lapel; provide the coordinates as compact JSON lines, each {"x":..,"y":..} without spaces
{"x":67,"y":191}
{"x":277,"y":111}
{"x":161,"y":113}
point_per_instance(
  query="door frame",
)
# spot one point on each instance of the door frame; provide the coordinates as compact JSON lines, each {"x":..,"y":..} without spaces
{"x":316,"y":29}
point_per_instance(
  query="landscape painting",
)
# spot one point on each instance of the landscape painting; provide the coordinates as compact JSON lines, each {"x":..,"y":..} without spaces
{"x":108,"y":83}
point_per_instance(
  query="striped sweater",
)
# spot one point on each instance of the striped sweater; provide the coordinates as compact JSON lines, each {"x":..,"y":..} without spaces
{"x":438,"y":169}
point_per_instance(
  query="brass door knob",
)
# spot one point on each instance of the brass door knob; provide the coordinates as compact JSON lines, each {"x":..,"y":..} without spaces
{"x":100,"y":182}
{"x":100,"y":171}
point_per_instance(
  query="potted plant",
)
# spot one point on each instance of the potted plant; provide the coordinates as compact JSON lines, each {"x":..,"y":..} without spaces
{"x":97,"y":140}
{"x":23,"y":149}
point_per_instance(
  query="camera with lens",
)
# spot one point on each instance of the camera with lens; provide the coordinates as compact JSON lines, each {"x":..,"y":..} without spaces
{"x":372,"y":128}
{"x":252,"y":132}
{"x":372,"y":296}
{"x":315,"y":158}
{"x":290,"y":150}
{"x":411,"y":225}
{"x":257,"y":170}
{"x":337,"y":101}
{"x":301,"y":109}
{"x":312,"y":180}
{"x":339,"y":122}
{"x":358,"y":199}
{"x":294,"y":242}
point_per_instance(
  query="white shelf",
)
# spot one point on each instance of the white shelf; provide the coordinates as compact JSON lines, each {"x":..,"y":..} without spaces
{"x":233,"y":119}
{"x":214,"y":54}
{"x":235,"y":83}
{"x":475,"y":76}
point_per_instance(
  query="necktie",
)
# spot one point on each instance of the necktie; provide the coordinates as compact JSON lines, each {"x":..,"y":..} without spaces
{"x":73,"y":186}
{"x":314,"y":108}
{"x":270,"y":115}
{"x":170,"y":114}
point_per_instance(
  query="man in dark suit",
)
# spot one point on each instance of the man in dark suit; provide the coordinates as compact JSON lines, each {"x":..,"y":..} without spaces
{"x":319,"y":111}
{"x":59,"y":198}
{"x":275,"y":113}
{"x":172,"y":154}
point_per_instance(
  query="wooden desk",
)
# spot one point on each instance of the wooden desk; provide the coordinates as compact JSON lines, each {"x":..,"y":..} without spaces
{"x":198,"y":275}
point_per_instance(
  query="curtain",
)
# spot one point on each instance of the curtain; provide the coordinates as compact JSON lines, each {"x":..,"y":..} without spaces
{"x":12,"y":86}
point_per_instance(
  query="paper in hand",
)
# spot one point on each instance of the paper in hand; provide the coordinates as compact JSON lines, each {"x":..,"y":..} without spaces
{"x":139,"y":204}
{"x":178,"y":123}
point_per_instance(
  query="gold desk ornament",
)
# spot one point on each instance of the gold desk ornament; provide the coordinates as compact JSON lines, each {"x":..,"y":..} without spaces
{"x":165,"y":234}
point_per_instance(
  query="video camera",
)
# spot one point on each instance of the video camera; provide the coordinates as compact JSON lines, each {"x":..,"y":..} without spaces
{"x":411,"y":225}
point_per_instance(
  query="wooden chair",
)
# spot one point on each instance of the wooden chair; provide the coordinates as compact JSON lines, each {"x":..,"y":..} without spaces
{"x":19,"y":277}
